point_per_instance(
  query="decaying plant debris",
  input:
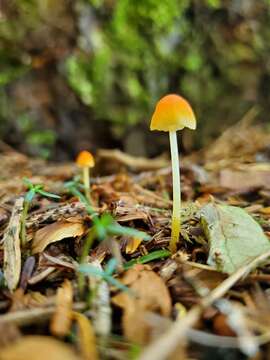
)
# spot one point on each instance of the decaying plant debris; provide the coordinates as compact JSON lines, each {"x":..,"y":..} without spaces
{"x":128,"y":298}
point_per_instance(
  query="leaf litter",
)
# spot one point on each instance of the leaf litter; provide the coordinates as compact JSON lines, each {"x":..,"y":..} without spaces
{"x":99,"y":282}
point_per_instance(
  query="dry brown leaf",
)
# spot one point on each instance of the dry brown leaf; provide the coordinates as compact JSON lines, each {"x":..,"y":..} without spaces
{"x":151,"y":295}
{"x":87,"y":338}
{"x":12,"y":249}
{"x":136,"y":215}
{"x":123,"y":203}
{"x":126,"y":209}
{"x":62,"y":318}
{"x":133,"y":245}
{"x":38,"y":348}
{"x":56,"y":232}
{"x":208,"y":279}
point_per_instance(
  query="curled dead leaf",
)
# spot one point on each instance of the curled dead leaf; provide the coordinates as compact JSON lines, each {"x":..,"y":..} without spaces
{"x":38,"y":348}
{"x":133,"y":245}
{"x":87,"y":338}
{"x":149,"y":294}
{"x":56,"y":232}
{"x":62,"y":318}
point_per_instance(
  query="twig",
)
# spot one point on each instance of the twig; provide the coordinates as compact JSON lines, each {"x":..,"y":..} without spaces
{"x":41,"y":276}
{"x":200,"y":266}
{"x":207,"y":339}
{"x":54,"y":212}
{"x":161,"y":348}
{"x":134,"y":163}
{"x":30,"y":316}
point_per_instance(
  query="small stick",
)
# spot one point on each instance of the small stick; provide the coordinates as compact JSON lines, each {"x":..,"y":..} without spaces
{"x":30,"y":316}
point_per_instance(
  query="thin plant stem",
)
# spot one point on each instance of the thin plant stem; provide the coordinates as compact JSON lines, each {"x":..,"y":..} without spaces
{"x":26,"y":206}
{"x":86,"y":182}
{"x":86,"y":247}
{"x":176,"y":192}
{"x":81,"y":283}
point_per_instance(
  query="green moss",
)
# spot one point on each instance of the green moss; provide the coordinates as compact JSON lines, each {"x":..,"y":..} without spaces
{"x":130,"y":53}
{"x":39,"y":141}
{"x":131,"y":67}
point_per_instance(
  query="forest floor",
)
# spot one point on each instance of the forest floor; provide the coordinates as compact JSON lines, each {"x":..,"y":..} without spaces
{"x":98,"y":282}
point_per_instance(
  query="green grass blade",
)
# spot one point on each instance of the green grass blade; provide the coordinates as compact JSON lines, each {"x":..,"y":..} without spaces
{"x":155,"y":255}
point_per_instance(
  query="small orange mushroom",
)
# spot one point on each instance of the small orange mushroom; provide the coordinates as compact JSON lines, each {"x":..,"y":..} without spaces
{"x":85,"y":161}
{"x":174,"y":113}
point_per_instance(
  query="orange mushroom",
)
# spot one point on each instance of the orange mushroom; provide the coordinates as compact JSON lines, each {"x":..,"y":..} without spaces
{"x":85,"y":160}
{"x":173,"y":113}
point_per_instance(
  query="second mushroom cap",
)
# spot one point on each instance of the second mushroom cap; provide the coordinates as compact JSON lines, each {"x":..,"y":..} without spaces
{"x":85,"y":159}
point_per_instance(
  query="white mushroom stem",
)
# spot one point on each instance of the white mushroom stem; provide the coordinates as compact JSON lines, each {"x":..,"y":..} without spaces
{"x":176,"y":192}
{"x":86,"y":182}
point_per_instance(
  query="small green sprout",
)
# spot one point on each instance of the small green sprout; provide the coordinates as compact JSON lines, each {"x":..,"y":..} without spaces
{"x":74,"y":187}
{"x":103,"y":227}
{"x":106,"y":274}
{"x":29,"y":196}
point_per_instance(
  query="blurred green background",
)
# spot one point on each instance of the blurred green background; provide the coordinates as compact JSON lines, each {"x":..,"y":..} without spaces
{"x":80,"y":74}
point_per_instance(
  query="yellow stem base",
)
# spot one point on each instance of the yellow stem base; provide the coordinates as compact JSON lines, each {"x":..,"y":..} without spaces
{"x":175,"y":234}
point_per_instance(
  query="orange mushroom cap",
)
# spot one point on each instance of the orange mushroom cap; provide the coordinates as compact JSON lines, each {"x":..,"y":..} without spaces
{"x":85,"y":159}
{"x":173,"y":113}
